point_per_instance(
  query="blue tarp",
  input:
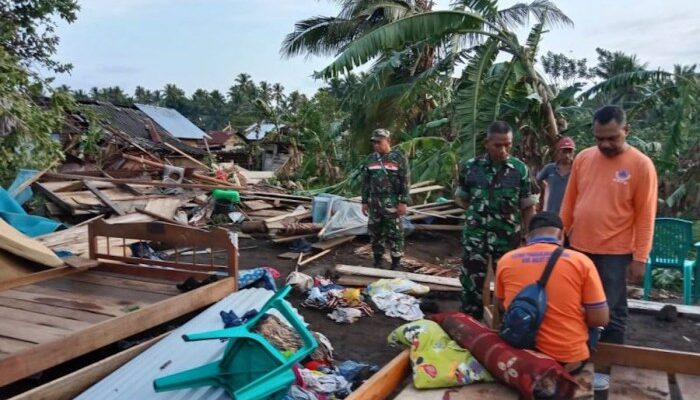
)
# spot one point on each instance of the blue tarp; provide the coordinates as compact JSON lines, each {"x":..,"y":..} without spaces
{"x":13,"y":213}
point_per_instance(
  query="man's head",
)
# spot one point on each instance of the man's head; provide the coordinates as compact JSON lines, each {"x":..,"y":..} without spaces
{"x":499,"y":140}
{"x":381,"y":142}
{"x":610,"y":129}
{"x":546,"y":224}
{"x":566,"y":148}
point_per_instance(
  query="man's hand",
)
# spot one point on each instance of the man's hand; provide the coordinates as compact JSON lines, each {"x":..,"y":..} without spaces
{"x":401,"y":209}
{"x":365,"y":208}
{"x":635,"y":271}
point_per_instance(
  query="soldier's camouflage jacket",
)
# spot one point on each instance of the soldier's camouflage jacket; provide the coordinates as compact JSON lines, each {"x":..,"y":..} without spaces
{"x":385,"y":181}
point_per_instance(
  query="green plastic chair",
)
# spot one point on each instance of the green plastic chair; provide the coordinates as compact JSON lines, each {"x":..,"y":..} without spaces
{"x":251,"y":368}
{"x":673,"y":239}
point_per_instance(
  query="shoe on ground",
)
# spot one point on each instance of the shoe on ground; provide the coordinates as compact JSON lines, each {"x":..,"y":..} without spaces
{"x":601,"y":382}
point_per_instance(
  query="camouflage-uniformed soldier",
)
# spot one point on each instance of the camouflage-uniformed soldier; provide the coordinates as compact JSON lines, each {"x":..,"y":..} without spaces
{"x":384,"y":197}
{"x":495,"y":190}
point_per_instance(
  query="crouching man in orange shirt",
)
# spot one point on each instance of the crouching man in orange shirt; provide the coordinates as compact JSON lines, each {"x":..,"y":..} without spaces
{"x":575,"y":296}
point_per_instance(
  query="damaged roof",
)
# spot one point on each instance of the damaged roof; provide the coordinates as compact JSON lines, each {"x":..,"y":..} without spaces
{"x":174,"y":122}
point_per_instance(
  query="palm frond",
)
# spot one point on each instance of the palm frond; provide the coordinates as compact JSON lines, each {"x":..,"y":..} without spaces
{"x":544,"y":11}
{"x":319,"y":36}
{"x":534,"y":39}
{"x":487,"y":8}
{"x":625,"y":80}
{"x":399,"y":33}
{"x":390,"y":10}
{"x":470,"y":118}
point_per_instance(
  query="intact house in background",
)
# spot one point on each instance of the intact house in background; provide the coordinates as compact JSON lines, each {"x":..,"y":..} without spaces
{"x":270,"y":143}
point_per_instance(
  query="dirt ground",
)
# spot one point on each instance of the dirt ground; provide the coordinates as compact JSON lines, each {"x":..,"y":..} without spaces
{"x":365,"y":340}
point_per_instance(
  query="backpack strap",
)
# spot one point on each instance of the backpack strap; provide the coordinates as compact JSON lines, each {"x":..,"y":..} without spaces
{"x":550,"y":266}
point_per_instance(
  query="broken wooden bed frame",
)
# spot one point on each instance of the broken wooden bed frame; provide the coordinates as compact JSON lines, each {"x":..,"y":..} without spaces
{"x":55,"y":315}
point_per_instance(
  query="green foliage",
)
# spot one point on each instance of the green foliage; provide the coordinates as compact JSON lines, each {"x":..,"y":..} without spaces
{"x":27,"y":30}
{"x":25,"y":125}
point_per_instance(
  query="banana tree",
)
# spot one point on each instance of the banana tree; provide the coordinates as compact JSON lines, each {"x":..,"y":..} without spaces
{"x":482,"y":90}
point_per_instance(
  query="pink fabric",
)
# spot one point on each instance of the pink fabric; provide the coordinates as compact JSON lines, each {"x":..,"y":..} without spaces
{"x":530,"y":373}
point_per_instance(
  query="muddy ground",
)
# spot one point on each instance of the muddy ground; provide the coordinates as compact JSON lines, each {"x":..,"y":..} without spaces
{"x":365,"y":340}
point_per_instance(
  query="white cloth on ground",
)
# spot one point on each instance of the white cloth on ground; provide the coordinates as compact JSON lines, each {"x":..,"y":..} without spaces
{"x":398,"y":305}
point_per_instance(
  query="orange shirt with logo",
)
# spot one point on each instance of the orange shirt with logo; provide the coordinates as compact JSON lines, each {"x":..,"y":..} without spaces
{"x":610,"y":203}
{"x":573,"y":286}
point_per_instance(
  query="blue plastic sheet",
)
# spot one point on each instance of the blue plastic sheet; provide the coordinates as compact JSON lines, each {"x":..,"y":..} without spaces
{"x":31,"y":225}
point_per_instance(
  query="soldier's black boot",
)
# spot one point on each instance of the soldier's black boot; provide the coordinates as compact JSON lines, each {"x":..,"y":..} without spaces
{"x":378,"y":260}
{"x":395,"y":262}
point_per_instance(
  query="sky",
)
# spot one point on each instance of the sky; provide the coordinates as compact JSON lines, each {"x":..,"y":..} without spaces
{"x":206,"y":43}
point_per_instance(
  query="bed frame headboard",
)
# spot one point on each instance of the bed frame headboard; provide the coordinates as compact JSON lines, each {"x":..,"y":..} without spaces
{"x":105,"y":239}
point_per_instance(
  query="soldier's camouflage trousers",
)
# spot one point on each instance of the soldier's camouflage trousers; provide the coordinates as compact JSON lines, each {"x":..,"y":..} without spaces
{"x":475,"y":262}
{"x":385,"y":228}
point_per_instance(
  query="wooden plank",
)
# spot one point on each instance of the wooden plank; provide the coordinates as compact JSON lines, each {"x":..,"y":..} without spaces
{"x":65,"y":207}
{"x":71,"y":385}
{"x":644,"y":305}
{"x":12,"y":314}
{"x":383,"y":383}
{"x":78,"y":315}
{"x":363,"y":281}
{"x":296,"y":215}
{"x":144,"y":271}
{"x":628,"y":383}
{"x":689,"y":386}
{"x":126,"y":283}
{"x":437,"y":227}
{"x":30,"y":332}
{"x":255,"y":205}
{"x":166,"y":207}
{"x":38,"y":358}
{"x":292,"y":238}
{"x":187,"y":156}
{"x":103,"y":197}
{"x":66,"y":300}
{"x":421,"y":184}
{"x":218,"y":185}
{"x":13,"y":267}
{"x":120,"y":294}
{"x":381,"y":273}
{"x":331,"y":243}
{"x":266,"y":213}
{"x":9,"y":345}
{"x":424,"y":189}
{"x":481,"y":391}
{"x":37,"y":277}
{"x":314,"y":257}
{"x":19,"y":244}
{"x":669,"y":361}
{"x":290,"y":255}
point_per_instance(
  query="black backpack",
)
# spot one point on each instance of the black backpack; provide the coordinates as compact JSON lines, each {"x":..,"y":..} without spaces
{"x":525,"y":313}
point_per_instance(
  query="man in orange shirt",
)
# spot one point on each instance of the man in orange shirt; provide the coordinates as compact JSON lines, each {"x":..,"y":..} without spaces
{"x":575,"y":296}
{"x":608,"y":213}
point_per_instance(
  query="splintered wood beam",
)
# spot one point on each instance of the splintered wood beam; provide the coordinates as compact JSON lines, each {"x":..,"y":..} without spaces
{"x":103,"y":197}
{"x":385,"y":381}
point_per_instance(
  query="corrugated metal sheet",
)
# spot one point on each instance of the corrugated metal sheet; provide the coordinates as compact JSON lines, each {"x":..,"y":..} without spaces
{"x":134,"y":380}
{"x":258,"y":131}
{"x":173,"y":122}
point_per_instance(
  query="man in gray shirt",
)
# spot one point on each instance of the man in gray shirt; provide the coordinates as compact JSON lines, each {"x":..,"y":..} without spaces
{"x":554,"y":177}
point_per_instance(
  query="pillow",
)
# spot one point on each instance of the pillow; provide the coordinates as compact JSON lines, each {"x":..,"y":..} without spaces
{"x":531,"y":373}
{"x":437,"y":361}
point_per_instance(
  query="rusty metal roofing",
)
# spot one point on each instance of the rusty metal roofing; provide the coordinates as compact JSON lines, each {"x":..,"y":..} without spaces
{"x":134,"y":380}
{"x":173,"y":122}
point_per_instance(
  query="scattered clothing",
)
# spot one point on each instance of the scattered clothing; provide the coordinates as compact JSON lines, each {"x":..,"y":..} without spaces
{"x":300,"y":246}
{"x":230,"y":318}
{"x":437,"y":361}
{"x":145,"y":251}
{"x":334,"y":299}
{"x":284,"y":338}
{"x":300,"y":281}
{"x":354,"y":371}
{"x":398,"y":305}
{"x":398,"y":285}
{"x":191,"y":283}
{"x":299,"y":393}
{"x":345,"y":315}
{"x":324,"y":383}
